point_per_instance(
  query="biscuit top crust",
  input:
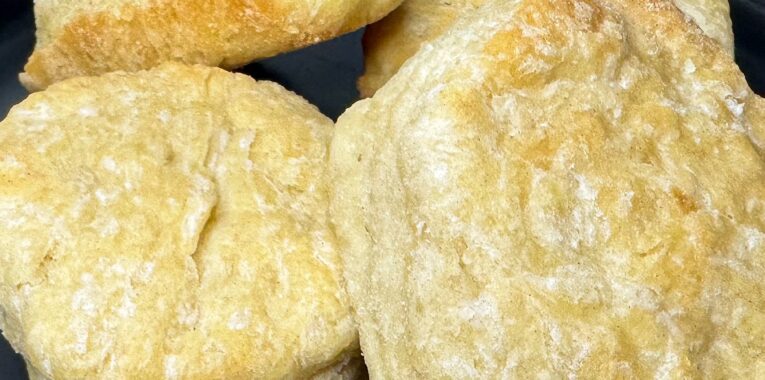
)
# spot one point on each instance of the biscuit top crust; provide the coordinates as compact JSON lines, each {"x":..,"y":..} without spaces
{"x":52,"y":16}
{"x":557,"y":188}
{"x":169,"y":224}
{"x":391,"y":41}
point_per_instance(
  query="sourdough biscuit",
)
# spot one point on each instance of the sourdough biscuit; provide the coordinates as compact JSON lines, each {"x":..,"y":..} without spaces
{"x":557,"y":189}
{"x":170,"y":224}
{"x":391,"y":41}
{"x":76,"y":38}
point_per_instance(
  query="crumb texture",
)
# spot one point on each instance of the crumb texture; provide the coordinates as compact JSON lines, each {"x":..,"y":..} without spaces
{"x":394,"y":39}
{"x":79,"y":38}
{"x":556,"y":189}
{"x":168,"y":225}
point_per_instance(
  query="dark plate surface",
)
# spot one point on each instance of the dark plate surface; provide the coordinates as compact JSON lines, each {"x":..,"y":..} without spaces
{"x":324,"y":74}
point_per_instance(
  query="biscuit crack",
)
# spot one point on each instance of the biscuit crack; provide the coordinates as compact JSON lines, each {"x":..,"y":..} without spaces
{"x":204,"y":234}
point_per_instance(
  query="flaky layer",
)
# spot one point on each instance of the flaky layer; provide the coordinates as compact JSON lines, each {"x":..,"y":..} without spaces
{"x":169,"y":224}
{"x":391,"y":41}
{"x":557,"y":189}
{"x":77,"y":38}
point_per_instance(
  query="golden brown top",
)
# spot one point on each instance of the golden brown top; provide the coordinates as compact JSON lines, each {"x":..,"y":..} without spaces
{"x":391,"y":41}
{"x":553,"y":189}
{"x":77,"y":37}
{"x":169,"y":224}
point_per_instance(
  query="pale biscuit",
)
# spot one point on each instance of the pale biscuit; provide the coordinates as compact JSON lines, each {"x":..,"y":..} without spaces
{"x":713,"y":17}
{"x":391,"y":41}
{"x":76,"y":38}
{"x":170,"y":224}
{"x":557,"y":189}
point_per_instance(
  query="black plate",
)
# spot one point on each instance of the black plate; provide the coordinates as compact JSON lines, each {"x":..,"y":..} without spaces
{"x":324,"y":74}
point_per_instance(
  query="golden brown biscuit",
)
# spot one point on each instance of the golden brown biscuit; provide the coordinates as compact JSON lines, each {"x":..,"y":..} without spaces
{"x":391,"y":41}
{"x":170,"y":224}
{"x":557,"y":189}
{"x":76,"y":38}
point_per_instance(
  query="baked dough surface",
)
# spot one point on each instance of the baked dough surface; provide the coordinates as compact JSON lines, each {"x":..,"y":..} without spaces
{"x":391,"y":41}
{"x":170,"y":224}
{"x":713,"y":17}
{"x":557,"y":189}
{"x":76,"y":37}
